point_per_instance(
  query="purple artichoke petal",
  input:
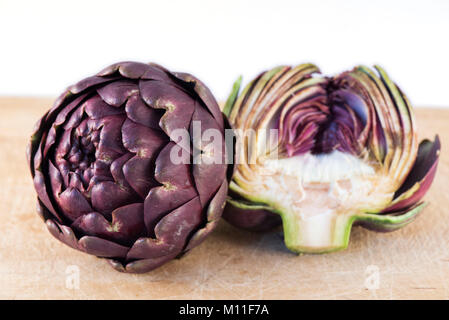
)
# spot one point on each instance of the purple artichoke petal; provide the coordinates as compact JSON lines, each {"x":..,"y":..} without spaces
{"x":60,"y":100}
{"x":156,"y":72}
{"x":94,"y":224}
{"x":96,"y":108}
{"x":92,"y":245}
{"x":136,"y":173}
{"x":102,"y":248}
{"x":304,"y":142}
{"x":209,"y":173}
{"x":217,"y":203}
{"x":177,"y":187}
{"x":424,"y":186}
{"x":161,"y":200}
{"x":129,"y":220}
{"x":56,"y":181}
{"x":128,"y":69}
{"x":133,"y":70}
{"x":64,"y":145}
{"x":175,"y":227}
{"x":127,"y":224}
{"x":35,"y":142}
{"x":62,"y":112}
{"x":63,"y":233}
{"x":110,"y":146}
{"x":142,"y":266}
{"x":107,"y":195}
{"x":37,"y":160}
{"x":301,"y":124}
{"x":117,"y":265}
{"x":205,"y":94}
{"x":74,"y":119}
{"x":41,"y":190}
{"x":147,"y":248}
{"x":214,"y":212}
{"x":110,"y":70}
{"x":140,"y":113}
{"x":355,"y":102}
{"x":42,"y":211}
{"x":250,"y":218}
{"x":179,"y":105}
{"x":116,"y":93}
{"x":63,"y":168}
{"x":50,"y":138}
{"x":117,"y":170}
{"x":87,"y":83}
{"x":423,"y":172}
{"x":428,"y":155}
{"x":201,"y":235}
{"x":101,"y":171}
{"x":168,"y":171}
{"x":73,"y":203}
{"x":76,"y":182}
{"x":141,"y":140}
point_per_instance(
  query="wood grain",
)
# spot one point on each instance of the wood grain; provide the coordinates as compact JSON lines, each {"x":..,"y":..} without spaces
{"x":232,"y":264}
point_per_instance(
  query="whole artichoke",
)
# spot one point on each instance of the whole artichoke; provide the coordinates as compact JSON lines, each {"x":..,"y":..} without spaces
{"x":114,"y":173}
{"x":321,"y":153}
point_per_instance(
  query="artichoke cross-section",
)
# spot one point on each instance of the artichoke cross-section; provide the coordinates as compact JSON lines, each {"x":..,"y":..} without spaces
{"x":318,"y":154}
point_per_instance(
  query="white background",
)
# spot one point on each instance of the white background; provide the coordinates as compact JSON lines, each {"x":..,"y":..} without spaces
{"x":47,"y":45}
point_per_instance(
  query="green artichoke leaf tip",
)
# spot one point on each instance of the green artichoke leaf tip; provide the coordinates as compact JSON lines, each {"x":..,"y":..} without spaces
{"x":232,"y":96}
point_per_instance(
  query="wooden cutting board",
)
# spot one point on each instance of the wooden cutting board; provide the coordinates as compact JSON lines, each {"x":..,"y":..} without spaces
{"x":231,"y":264}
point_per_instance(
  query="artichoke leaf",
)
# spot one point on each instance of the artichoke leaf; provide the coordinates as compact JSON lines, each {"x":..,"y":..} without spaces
{"x":389,"y":222}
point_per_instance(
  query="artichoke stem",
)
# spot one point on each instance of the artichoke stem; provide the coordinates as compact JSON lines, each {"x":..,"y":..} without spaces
{"x":320,"y":233}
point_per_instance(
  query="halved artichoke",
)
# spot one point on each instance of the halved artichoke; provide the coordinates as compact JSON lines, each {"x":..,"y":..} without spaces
{"x":322,"y":153}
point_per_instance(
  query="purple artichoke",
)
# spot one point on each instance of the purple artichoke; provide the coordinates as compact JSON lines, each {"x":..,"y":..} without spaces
{"x":322,"y":153}
{"x":102,"y":164}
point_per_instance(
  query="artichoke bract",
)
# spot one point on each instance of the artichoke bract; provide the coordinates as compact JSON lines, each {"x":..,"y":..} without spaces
{"x":319,"y":154}
{"x":116,"y":176}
